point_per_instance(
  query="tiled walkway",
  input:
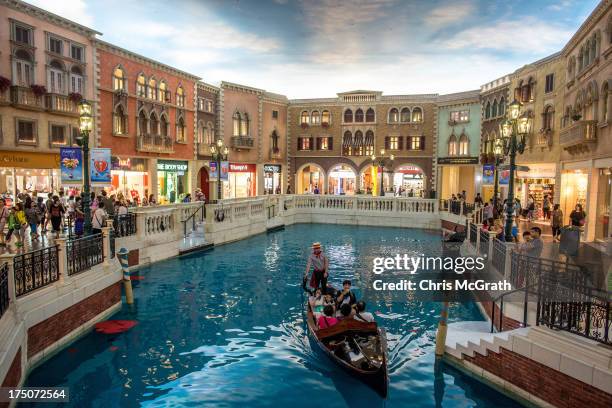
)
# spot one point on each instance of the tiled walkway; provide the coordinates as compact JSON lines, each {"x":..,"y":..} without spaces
{"x":45,"y":240}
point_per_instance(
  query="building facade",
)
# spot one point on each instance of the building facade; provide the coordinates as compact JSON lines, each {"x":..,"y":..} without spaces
{"x":458,"y":144}
{"x":46,"y":68}
{"x":253,"y":125}
{"x":147,"y":115}
{"x":332,"y":140}
{"x":585,"y":136}
{"x":539,"y":86}
{"x":207,"y":120}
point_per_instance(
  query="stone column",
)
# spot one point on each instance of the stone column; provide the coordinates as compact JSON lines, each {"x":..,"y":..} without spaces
{"x":62,"y":259}
{"x":106,"y":249}
{"x":492,"y":236}
{"x":8,"y":258}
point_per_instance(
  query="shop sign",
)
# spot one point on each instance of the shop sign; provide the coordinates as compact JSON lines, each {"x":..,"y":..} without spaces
{"x":225,"y":171}
{"x":272,"y":168}
{"x":241,"y":168}
{"x":457,"y":160}
{"x":128,"y":164}
{"x":100,"y":166}
{"x":171,"y":165}
{"x":71,"y":165}
{"x":29,"y":160}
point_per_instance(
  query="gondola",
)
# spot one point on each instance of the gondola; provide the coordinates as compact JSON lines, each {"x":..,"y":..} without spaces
{"x":359,"y":348}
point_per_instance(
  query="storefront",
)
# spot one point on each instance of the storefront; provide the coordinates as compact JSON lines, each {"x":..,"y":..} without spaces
{"x":536,"y":182}
{"x":272,"y":179}
{"x":241,"y":181}
{"x":172,"y":180}
{"x":129,"y":177}
{"x":369,"y":180}
{"x":28,"y":172}
{"x":409,"y":180}
{"x":457,"y":174}
{"x":342,"y":180}
{"x":309,"y":178}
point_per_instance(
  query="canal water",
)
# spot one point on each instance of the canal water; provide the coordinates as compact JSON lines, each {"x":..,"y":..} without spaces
{"x":224,"y":329}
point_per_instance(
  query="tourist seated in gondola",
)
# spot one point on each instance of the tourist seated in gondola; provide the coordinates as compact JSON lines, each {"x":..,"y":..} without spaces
{"x":345,"y":312}
{"x":327,"y":319}
{"x":346,"y":295}
{"x":317,"y":302}
{"x":360,"y":314}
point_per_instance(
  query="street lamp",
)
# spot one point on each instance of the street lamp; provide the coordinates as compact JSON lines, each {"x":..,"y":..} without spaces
{"x":498,"y":153}
{"x":381,"y":161}
{"x":85,"y":127}
{"x":219,"y":153}
{"x":513,"y":133}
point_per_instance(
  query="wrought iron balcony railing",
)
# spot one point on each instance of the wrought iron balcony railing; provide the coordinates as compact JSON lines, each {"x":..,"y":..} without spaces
{"x":242,"y":142}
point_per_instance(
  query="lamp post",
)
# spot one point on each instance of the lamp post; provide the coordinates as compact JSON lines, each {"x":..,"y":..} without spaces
{"x":85,"y":127}
{"x":380,"y":161}
{"x":513,"y":132}
{"x":219,"y":153}
{"x":498,"y":152}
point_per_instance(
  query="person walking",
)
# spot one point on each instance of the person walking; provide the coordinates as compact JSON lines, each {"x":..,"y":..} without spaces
{"x":557,"y":222}
{"x":98,"y":219}
{"x":578,"y":216}
{"x":4,"y":214}
{"x":17,"y":224}
{"x":546,"y":207}
{"x":32,"y":216}
{"x":57,"y":212}
{"x":108,"y":204}
{"x":79,"y":217}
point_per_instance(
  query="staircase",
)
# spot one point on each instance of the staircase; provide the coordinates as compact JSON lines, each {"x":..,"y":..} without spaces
{"x":193,"y":232}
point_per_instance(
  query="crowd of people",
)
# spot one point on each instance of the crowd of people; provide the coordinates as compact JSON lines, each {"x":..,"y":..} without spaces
{"x":328,"y":305}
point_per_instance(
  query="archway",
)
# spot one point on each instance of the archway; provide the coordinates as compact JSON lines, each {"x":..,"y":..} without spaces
{"x":342,"y":180}
{"x":204,"y":182}
{"x":310,"y":177}
{"x":409,"y":180}
{"x":369,"y":180}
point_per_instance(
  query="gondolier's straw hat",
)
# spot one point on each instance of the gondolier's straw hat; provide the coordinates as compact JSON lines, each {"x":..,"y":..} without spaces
{"x":316,"y":245}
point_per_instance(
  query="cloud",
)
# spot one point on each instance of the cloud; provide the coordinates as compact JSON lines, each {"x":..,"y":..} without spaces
{"x":560,"y":5}
{"x":447,"y":14}
{"x":529,"y":35}
{"x":75,"y":10}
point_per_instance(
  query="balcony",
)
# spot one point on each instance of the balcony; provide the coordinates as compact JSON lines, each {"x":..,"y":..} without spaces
{"x":5,"y":97}
{"x":275,"y":153}
{"x":154,"y":144}
{"x":242,"y":142}
{"x":204,"y":149}
{"x":578,"y":135}
{"x":61,"y":104}
{"x":23,"y":97}
{"x":543,"y":138}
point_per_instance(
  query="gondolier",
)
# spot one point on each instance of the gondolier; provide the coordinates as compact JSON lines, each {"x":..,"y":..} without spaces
{"x":320,"y":264}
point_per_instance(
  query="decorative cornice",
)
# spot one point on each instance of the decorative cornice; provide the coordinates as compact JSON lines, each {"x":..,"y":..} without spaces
{"x":586,"y":26}
{"x":241,"y":88}
{"x":459,"y":97}
{"x":207,"y":87}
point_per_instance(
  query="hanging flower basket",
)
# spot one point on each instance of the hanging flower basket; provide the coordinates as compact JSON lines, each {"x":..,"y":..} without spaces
{"x":576,"y":117}
{"x":38,"y":90}
{"x":75,"y":97}
{"x":304,"y":125}
{"x":4,"y":83}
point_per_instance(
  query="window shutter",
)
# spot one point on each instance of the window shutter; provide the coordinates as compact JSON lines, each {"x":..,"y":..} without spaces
{"x":409,"y":142}
{"x":422,"y":142}
{"x":311,"y":143}
{"x":330,"y":143}
{"x":400,"y":143}
{"x":299,"y":146}
{"x":318,"y":143}
{"x":386,"y":142}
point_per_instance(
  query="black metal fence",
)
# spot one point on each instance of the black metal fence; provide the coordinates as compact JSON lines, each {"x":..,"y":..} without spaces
{"x":584,"y":311}
{"x":484,"y":242}
{"x":527,"y":271}
{"x":4,"y":289}
{"x":83,"y":253}
{"x":124,"y":225}
{"x":35,"y":269}
{"x":473,"y":233}
{"x":499,"y":255}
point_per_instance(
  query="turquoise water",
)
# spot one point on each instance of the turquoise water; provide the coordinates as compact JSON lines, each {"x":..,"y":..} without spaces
{"x":224,"y":329}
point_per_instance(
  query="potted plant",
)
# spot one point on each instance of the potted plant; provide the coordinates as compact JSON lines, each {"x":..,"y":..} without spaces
{"x":576,"y":116}
{"x":38,"y":90}
{"x":4,"y":83}
{"x":75,"y":97}
{"x":304,"y":125}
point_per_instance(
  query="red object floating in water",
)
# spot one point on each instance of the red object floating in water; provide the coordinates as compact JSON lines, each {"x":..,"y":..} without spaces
{"x":115,"y":326}
{"x":136,"y":277}
{"x":113,"y":348}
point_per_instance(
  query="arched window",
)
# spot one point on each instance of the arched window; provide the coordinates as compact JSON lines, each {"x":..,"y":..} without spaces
{"x":152,"y":89}
{"x":180,"y":96}
{"x":370,"y":115}
{"x":348,"y":116}
{"x":417,"y":115}
{"x":548,"y":118}
{"x":23,"y":68}
{"x":369,"y":143}
{"x":358,"y":143}
{"x":502,"y":107}
{"x":347,"y":144}
{"x":236,"y":121}
{"x":154,"y":124}
{"x":494,"y":109}
{"x":55,"y":77}
{"x":274,"y":141}
{"x":162,"y":91}
{"x":202,"y":136}
{"x":405,"y":115}
{"x":452,"y":145}
{"x":531,"y":90}
{"x":305,"y":118}
{"x":163,"y":126}
{"x":180,"y":131}
{"x":464,"y":145}
{"x":119,"y":121}
{"x":244,"y":125}
{"x":141,"y":86}
{"x":604,"y":101}
{"x":118,"y":79}
{"x":325,"y":117}
{"x":488,"y":110}
{"x":76,"y":80}
{"x":210,"y":133}
{"x":315,"y":118}
{"x":143,"y":124}
{"x":359,"y":115}
{"x":393,"y":115}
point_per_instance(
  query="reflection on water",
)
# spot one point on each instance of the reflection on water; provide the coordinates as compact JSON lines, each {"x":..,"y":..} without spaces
{"x":225,"y":329}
